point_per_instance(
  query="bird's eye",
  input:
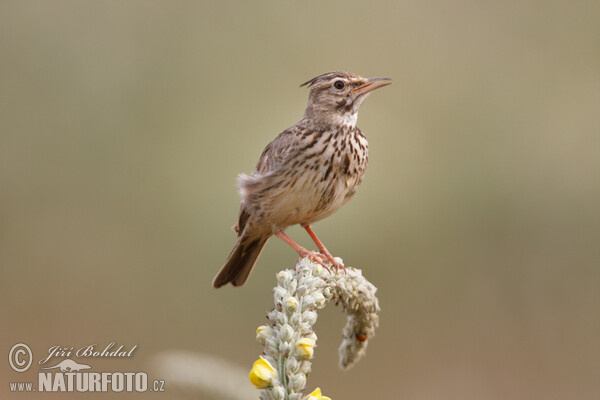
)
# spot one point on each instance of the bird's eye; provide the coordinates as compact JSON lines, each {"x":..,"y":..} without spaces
{"x":338,"y":85}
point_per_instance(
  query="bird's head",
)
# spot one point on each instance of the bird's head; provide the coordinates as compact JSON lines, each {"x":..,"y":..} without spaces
{"x":335,"y":97}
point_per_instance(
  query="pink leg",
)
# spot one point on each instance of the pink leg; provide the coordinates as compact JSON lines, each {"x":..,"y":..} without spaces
{"x":316,"y":257}
{"x":323,"y":249}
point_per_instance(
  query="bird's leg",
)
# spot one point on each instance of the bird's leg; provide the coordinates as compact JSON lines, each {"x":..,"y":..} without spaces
{"x":323,"y":249}
{"x":316,"y":257}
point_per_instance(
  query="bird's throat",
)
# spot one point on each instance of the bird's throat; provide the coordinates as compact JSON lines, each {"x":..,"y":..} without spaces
{"x":346,"y":119}
{"x":323,"y":119}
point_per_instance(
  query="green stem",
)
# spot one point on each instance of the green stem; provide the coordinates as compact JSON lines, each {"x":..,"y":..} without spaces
{"x":283,"y":376}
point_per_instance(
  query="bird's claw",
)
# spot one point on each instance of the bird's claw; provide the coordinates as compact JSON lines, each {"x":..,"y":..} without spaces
{"x":334,"y":263}
{"x":315,"y":257}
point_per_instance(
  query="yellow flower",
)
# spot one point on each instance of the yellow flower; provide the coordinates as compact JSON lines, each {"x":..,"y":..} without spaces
{"x":262,"y":373}
{"x":316,"y":395}
{"x":305,"y":348}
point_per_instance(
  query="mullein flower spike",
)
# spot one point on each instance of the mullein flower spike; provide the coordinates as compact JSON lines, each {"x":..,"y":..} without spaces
{"x":290,"y":340}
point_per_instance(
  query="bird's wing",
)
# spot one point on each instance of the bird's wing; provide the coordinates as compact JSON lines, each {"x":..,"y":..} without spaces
{"x":273,"y":157}
{"x":277,"y":152}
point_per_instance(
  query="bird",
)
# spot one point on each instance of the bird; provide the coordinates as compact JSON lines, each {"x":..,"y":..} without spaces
{"x":305,"y":174}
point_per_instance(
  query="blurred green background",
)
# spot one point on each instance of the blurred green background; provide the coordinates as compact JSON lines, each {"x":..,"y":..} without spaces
{"x":124,"y":125}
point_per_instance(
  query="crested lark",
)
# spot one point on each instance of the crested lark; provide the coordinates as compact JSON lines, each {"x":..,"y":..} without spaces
{"x":304,"y":175}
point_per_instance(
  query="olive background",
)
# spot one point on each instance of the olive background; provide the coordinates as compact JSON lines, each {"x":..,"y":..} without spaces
{"x":124,"y":125}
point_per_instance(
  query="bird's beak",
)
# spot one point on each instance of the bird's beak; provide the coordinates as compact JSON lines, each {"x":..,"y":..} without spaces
{"x":372,"y":84}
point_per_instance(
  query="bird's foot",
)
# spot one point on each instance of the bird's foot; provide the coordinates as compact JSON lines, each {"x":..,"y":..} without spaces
{"x":324,"y":252}
{"x":334,"y":263}
{"x":313,"y":256}
{"x":304,"y":253}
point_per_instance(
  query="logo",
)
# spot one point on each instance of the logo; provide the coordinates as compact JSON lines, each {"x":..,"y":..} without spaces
{"x":15,"y":357}
{"x":69,"y":366}
{"x":69,"y":375}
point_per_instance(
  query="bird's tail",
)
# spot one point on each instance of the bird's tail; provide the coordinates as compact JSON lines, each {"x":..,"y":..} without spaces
{"x":240,"y":261}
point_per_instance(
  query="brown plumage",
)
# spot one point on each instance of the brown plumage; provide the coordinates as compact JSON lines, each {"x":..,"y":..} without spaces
{"x":305,"y":174}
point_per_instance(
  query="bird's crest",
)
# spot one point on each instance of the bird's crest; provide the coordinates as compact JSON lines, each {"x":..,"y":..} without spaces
{"x":324,"y":77}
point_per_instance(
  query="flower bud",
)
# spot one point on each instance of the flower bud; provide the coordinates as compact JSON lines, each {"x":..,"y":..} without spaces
{"x":291,"y":304}
{"x":278,"y":393}
{"x":286,"y":333}
{"x":292,"y":365}
{"x":319,"y":299}
{"x":297,"y":382}
{"x":285,"y":348}
{"x":262,"y":332}
{"x":284,"y":277}
{"x":279,"y":293}
{"x":305,"y":348}
{"x":310,"y":317}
